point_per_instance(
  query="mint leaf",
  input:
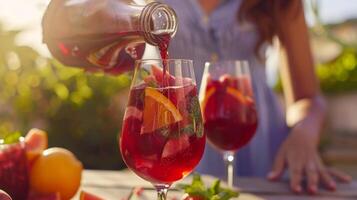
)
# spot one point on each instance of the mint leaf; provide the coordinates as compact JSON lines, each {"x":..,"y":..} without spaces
{"x":165,"y":131}
{"x":225,"y":194}
{"x":215,"y":192}
{"x":143,"y":73}
{"x":153,"y":84}
{"x":196,"y":115}
{"x":215,"y":187}
{"x":189,"y":130}
{"x":196,"y":188}
{"x":12,"y":138}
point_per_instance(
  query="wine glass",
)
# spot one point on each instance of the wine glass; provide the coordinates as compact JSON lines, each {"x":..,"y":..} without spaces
{"x":228,"y":106}
{"x":162,"y":138}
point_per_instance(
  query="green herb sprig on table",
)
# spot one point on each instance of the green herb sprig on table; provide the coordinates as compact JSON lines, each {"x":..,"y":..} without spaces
{"x":11,"y":138}
{"x":198,"y":191}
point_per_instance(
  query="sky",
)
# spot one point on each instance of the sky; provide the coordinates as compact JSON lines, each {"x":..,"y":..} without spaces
{"x":26,"y":14}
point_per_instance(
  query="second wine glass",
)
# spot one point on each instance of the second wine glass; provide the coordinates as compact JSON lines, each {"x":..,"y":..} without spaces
{"x":228,"y":106}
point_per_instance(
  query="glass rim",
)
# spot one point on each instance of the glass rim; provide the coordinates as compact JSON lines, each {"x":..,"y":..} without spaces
{"x":245,"y":61}
{"x":160,"y":60}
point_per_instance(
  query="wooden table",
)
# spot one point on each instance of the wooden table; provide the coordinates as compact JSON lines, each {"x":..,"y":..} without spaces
{"x":116,"y":185}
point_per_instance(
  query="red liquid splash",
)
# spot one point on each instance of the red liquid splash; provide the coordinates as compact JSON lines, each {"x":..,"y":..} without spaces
{"x":230,"y":121}
{"x":13,"y":171}
{"x":166,"y":154}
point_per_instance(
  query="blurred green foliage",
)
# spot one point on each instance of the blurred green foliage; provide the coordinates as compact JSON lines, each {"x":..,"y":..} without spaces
{"x":336,"y":76}
{"x":81,"y":112}
{"x":340,"y":74}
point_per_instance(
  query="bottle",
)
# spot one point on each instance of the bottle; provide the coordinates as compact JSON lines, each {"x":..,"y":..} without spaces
{"x":105,"y":35}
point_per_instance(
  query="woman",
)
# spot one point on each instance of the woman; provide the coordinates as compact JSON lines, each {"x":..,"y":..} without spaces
{"x":240,"y":29}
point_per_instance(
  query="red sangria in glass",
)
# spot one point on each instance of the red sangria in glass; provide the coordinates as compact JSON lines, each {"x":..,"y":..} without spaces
{"x":229,"y":112}
{"x":162,"y":138}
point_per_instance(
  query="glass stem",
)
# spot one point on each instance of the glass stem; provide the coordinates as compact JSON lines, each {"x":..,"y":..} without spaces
{"x":161,"y":191}
{"x":229,"y":160}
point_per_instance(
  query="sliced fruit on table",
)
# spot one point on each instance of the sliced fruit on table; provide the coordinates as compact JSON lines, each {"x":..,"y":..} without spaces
{"x":56,"y":170}
{"x":4,"y":195}
{"x":51,"y":196}
{"x":36,"y":142}
{"x":88,"y":196}
{"x":158,"y":112}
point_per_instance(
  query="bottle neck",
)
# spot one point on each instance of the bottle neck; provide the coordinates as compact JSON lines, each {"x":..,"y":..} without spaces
{"x":157,"y":19}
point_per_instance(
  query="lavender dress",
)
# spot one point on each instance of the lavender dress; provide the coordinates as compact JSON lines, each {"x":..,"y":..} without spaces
{"x":201,"y":38}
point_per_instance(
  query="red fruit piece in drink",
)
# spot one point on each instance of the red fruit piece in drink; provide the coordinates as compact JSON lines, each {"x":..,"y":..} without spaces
{"x":241,"y":83}
{"x":132,"y":111}
{"x":175,"y":145}
{"x":158,"y":74}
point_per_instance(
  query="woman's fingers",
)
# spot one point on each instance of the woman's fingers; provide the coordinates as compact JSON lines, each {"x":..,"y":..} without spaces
{"x":325,"y":177}
{"x":278,"y":167}
{"x":312,"y":177}
{"x":339,"y":175}
{"x":296,"y":172}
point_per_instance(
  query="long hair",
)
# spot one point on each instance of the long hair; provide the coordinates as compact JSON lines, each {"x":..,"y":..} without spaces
{"x":264,"y":14}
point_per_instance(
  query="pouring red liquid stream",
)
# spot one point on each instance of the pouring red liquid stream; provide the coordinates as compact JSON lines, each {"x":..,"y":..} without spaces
{"x":164,"y":53}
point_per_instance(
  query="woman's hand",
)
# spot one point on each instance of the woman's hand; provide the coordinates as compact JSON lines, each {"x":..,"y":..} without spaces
{"x":299,"y":154}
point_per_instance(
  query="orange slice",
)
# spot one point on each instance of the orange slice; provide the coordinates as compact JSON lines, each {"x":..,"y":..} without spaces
{"x":158,"y":112}
{"x":229,"y":90}
{"x":236,"y":94}
{"x":208,"y":94}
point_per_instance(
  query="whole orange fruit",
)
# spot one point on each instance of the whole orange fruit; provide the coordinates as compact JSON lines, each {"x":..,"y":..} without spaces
{"x":56,"y":170}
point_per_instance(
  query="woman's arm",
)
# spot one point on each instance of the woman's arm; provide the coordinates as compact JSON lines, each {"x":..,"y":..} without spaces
{"x":306,"y":107}
{"x":298,"y":76}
